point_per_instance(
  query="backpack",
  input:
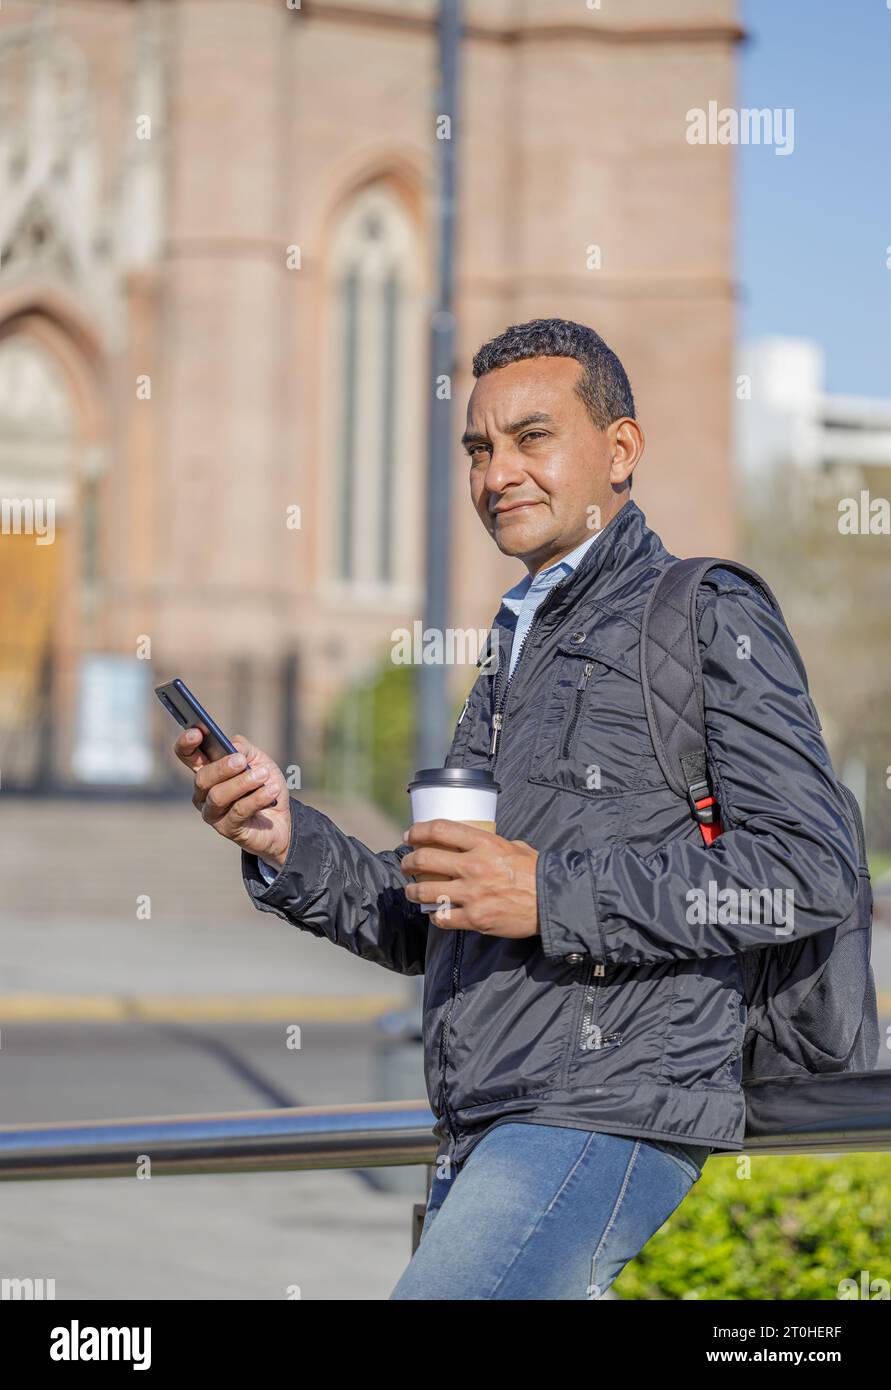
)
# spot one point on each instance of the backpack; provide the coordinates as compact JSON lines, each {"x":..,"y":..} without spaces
{"x":811,"y":1003}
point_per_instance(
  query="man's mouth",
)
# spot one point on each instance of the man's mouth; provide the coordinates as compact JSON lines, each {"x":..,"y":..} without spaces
{"x":514,"y":507}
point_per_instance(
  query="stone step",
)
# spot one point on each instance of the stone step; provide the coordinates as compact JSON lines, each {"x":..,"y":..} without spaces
{"x":94,"y":859}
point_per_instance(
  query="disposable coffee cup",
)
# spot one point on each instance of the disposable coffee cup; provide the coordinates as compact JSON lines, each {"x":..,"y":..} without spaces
{"x":468,"y":794}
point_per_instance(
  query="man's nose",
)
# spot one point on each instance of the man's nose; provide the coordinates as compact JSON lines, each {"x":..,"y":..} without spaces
{"x":505,"y":469}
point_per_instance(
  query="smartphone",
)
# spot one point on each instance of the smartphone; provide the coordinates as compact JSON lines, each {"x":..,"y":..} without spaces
{"x":176,"y":697}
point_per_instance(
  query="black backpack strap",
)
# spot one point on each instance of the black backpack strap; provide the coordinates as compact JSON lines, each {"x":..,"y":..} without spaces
{"x":671,"y":676}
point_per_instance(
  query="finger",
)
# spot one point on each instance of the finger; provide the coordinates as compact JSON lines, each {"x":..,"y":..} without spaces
{"x":428,"y":891}
{"x":228,"y":820}
{"x":252,"y":753}
{"x":249,"y":749}
{"x":222,"y":770}
{"x":447,"y":834}
{"x":428,"y":860}
{"x":188,"y":749}
{"x":221,"y":795}
{"x":454,"y":919}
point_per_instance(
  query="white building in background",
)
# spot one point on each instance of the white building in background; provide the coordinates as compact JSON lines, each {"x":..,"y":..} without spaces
{"x":820,"y":448}
{"x":784,"y":415}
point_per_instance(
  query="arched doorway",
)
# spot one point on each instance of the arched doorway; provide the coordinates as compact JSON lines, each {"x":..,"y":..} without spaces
{"x":50,"y":481}
{"x":37,"y":427}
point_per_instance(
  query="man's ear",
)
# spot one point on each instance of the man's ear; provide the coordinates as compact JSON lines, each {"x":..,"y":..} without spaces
{"x":627,"y":445}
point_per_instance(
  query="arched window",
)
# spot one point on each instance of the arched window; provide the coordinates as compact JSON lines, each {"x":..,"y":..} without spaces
{"x":376,"y":406}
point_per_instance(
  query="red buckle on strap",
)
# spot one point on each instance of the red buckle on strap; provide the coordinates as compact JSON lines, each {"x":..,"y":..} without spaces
{"x":710,"y":831}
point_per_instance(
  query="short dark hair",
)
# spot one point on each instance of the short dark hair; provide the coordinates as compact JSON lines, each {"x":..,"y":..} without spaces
{"x":603,"y":386}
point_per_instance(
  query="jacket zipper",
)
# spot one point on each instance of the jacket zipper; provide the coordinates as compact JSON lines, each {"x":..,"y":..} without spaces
{"x":587,"y":1030}
{"x":500,"y":701}
{"x":577,"y":708}
{"x":502,"y":698}
{"x":458,"y":947}
{"x":457,"y":952}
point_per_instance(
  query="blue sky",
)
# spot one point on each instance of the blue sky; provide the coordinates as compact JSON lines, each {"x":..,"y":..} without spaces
{"x":812,"y":227}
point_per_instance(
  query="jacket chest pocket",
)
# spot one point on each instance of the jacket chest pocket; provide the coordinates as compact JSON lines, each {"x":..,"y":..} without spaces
{"x":593,"y":736}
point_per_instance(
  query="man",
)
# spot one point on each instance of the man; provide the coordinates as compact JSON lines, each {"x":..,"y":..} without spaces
{"x":582,"y":1026}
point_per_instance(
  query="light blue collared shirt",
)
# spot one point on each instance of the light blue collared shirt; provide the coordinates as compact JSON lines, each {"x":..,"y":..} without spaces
{"x":523,"y":599}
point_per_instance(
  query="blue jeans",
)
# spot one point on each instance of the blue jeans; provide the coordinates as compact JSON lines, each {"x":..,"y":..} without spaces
{"x":545,"y":1212}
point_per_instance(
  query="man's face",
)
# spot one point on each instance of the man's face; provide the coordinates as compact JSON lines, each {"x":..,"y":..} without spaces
{"x":542,"y":475}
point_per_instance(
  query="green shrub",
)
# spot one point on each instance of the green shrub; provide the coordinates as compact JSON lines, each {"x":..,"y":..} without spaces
{"x":880,"y":864}
{"x":370,"y":740}
{"x":393,"y":731}
{"x":791,"y":1230}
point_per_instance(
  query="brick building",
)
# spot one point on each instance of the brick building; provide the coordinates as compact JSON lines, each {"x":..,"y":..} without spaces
{"x":216,"y":262}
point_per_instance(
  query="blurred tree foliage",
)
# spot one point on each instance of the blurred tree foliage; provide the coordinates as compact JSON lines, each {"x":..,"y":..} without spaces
{"x":835,"y":592}
{"x":370,"y":739}
{"x":792,"y":1230}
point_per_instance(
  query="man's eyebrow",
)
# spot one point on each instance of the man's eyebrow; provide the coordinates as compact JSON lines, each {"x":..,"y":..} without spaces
{"x":538,"y":417}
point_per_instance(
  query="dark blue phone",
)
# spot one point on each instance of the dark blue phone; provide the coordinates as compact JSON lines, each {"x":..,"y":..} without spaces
{"x":176,"y":697}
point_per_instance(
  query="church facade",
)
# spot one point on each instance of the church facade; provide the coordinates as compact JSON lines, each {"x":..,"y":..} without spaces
{"x":217,"y":253}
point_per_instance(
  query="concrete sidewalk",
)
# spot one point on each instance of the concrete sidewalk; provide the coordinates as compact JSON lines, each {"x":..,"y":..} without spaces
{"x":78,"y":874}
{"x":79,"y":878}
{"x":228,"y":1236}
{"x":192,"y":997}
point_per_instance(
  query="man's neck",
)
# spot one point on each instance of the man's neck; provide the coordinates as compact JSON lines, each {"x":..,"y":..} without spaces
{"x":535,"y":566}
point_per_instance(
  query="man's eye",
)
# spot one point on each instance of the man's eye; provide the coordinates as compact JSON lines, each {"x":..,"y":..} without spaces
{"x":532,"y":434}
{"x":476,"y":449}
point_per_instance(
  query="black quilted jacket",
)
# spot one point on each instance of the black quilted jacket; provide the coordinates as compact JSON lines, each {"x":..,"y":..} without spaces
{"x":626,"y":1014}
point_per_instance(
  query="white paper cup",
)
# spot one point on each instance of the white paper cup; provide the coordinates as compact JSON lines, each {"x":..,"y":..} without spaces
{"x":453,"y":793}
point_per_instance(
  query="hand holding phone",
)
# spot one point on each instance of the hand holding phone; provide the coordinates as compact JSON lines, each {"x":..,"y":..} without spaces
{"x":242,"y":793}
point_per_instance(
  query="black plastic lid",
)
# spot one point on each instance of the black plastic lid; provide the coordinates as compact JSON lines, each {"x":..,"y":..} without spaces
{"x":473,"y":777}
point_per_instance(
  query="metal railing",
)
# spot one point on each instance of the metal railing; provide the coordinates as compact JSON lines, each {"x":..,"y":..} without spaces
{"x":846,"y":1113}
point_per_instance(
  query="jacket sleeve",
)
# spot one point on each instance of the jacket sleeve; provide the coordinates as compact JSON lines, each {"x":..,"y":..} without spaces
{"x":332,"y":885}
{"x":787,"y":828}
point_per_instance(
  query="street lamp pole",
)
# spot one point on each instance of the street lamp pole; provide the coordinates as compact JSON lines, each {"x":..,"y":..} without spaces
{"x":432,"y":689}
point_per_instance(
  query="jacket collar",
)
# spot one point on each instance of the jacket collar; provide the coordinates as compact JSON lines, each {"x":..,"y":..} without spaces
{"x":625,"y":545}
{"x":626,"y":548}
